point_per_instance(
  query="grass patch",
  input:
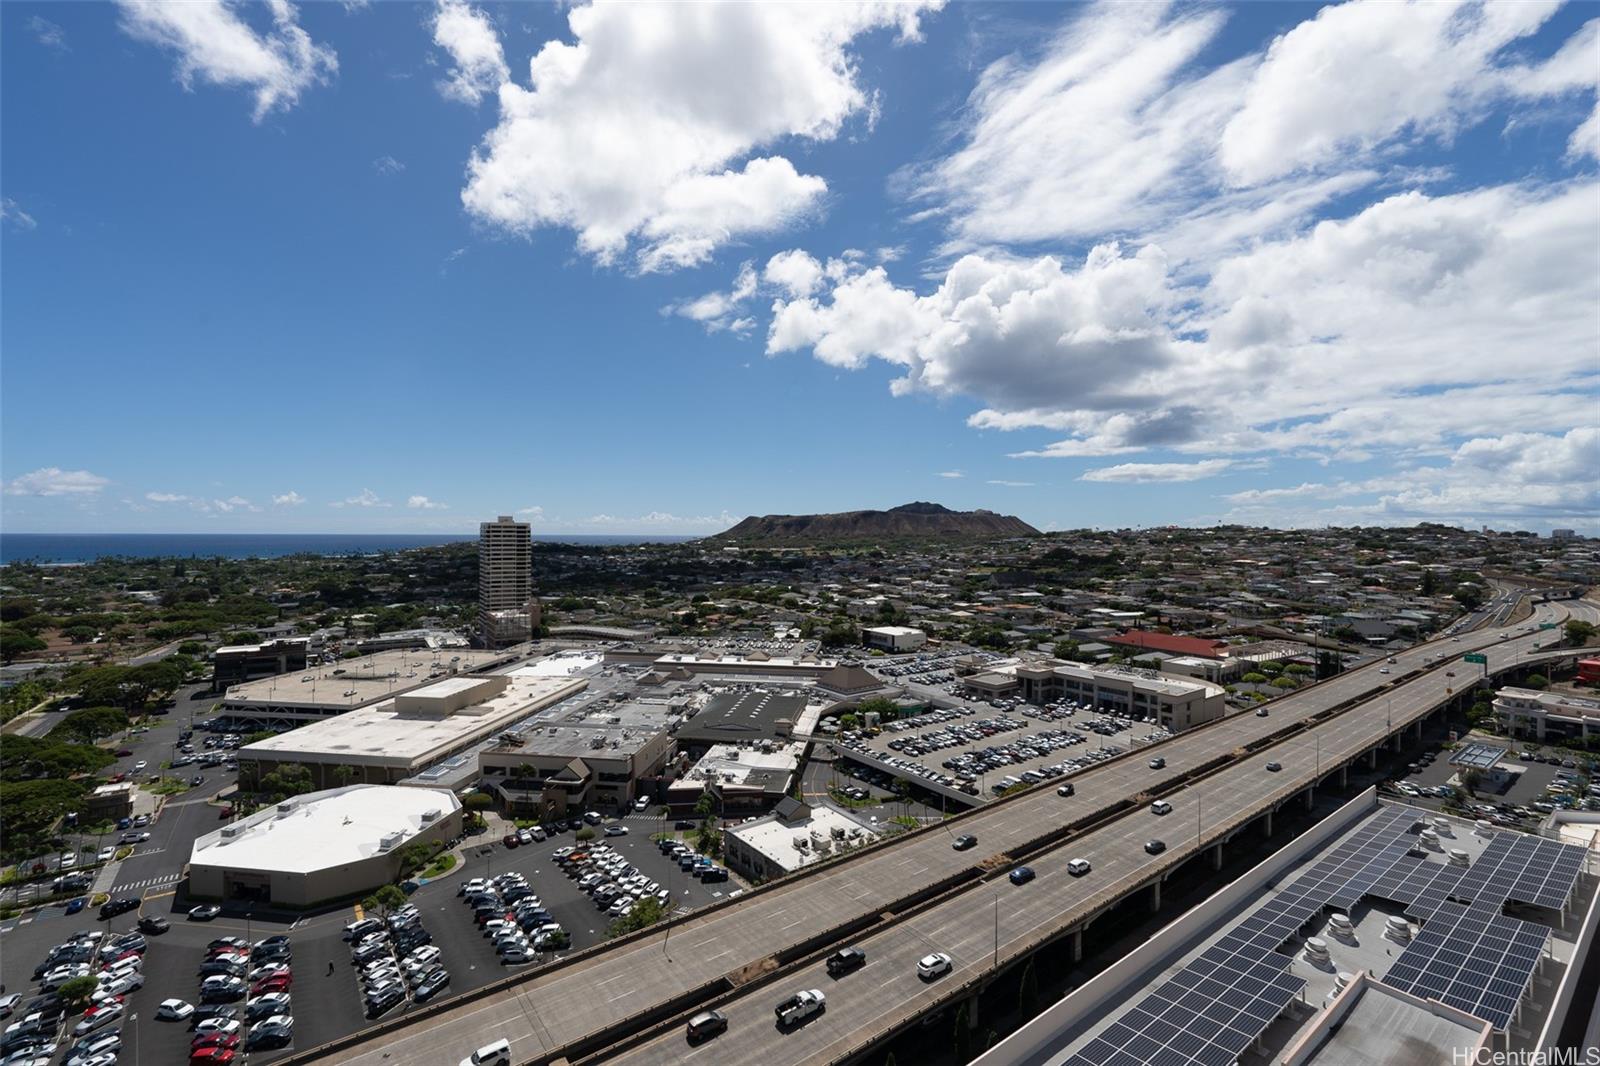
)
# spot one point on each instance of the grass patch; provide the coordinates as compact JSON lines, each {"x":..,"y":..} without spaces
{"x":123,"y":853}
{"x":905,"y":820}
{"x":167,"y":786}
{"x":848,"y":801}
{"x":442,"y":865}
{"x":98,"y":898}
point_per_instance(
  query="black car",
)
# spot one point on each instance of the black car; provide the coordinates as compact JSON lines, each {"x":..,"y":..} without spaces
{"x":705,"y":1025}
{"x":845,"y":960}
{"x":964,"y":841}
{"x":1274,"y":767}
{"x":113,"y":907}
{"x":1022,"y":875}
{"x":1155,"y":847}
{"x":274,"y":954}
{"x":684,"y":823}
{"x":384,"y":1001}
{"x":154,"y":924}
{"x":259,"y":1009}
{"x":49,"y":1005}
{"x":268,"y":1036}
{"x":212,"y":966}
{"x":431,"y":986}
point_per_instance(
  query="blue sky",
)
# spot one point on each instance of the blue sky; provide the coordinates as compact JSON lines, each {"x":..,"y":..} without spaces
{"x":649,"y":269}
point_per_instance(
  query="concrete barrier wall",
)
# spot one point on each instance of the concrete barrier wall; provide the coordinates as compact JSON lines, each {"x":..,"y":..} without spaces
{"x":1113,"y":986}
{"x":1550,"y":1036}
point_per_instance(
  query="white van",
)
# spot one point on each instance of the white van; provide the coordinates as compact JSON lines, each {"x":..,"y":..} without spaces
{"x":495,"y":1054}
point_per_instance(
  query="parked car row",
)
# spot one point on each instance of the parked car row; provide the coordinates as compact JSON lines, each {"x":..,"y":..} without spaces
{"x":395,"y":959}
{"x":512,"y":917}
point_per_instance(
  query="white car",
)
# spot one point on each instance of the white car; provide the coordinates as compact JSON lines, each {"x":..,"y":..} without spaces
{"x":107,"y":854}
{"x":420,"y":958}
{"x":224,"y":1026}
{"x":118,"y":985}
{"x":1078,"y":867}
{"x":495,"y":1054}
{"x":139,"y":766}
{"x":930,"y":966}
{"x":800,"y":1006}
{"x":97,"y":1017}
{"x":174,"y":1010}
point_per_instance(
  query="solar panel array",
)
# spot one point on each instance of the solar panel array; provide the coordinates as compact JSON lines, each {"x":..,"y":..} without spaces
{"x":1525,"y":869}
{"x":1471,"y":958}
{"x":1467,"y":955}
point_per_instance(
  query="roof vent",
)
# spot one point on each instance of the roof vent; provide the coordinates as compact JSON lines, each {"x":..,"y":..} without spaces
{"x":229,"y":832}
{"x":390,"y":840}
{"x":285,"y":808}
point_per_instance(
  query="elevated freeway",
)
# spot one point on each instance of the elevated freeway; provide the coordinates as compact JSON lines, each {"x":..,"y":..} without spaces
{"x":915,"y":894}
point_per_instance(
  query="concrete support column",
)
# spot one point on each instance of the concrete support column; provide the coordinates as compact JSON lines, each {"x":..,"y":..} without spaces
{"x":972,"y":1011}
{"x":1311,"y":798}
{"x":1216,"y":856}
{"x":1372,"y":759}
{"x":1077,"y":945}
{"x":1418,"y":727}
{"x":1155,"y":897}
{"x":1344,"y":777}
{"x":1266,"y":825}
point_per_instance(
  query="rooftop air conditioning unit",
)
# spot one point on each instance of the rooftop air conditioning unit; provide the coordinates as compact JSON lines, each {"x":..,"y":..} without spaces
{"x":431,"y":815}
{"x":231,"y":831}
{"x":285,"y":808}
{"x":390,"y":840}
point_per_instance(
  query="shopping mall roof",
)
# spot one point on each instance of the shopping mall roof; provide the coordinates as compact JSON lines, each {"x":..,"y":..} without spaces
{"x":324,"y":829}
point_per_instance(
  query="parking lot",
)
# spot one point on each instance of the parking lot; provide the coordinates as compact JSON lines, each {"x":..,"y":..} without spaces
{"x":981,"y":749}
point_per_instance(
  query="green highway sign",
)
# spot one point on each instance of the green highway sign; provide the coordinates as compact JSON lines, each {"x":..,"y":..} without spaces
{"x":1547,"y":625}
{"x":1475,"y":657}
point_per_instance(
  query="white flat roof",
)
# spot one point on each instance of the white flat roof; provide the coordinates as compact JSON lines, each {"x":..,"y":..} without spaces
{"x":323,"y":829}
{"x":775,"y":839}
{"x":381,"y":736}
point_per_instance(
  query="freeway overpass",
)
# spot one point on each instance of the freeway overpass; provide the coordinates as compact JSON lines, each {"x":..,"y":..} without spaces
{"x":914,"y":894}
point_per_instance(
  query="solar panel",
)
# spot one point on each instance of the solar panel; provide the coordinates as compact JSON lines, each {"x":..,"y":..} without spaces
{"x":1466,"y":954}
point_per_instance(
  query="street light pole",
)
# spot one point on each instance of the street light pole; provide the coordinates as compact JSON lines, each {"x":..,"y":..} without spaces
{"x":997,"y":930}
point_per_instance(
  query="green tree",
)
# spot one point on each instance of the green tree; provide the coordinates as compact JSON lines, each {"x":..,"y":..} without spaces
{"x":385,"y":899}
{"x":290,"y":779}
{"x":14,"y":642}
{"x":478,"y":801}
{"x":1577,"y":633}
{"x":1470,"y":780}
{"x":704,"y":805}
{"x":89,"y":725}
{"x":1469,"y":596}
{"x":645,"y":912}
{"x":1066,"y":649}
{"x":76,"y":992}
{"x":342,"y":774}
{"x":415,"y":855}
{"x":1537,"y":681}
{"x":586,"y":833}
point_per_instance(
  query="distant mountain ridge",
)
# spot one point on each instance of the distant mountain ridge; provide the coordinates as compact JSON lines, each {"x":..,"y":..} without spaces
{"x":912,"y":520}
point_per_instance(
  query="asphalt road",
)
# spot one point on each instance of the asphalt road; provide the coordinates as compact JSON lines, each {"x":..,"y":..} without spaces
{"x":552,"y":1009}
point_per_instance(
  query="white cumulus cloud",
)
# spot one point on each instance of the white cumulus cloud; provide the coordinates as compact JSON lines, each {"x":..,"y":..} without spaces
{"x":214,"y":43}
{"x":470,"y":38}
{"x":364,"y":498}
{"x":422,"y":503}
{"x":649,"y":130}
{"x":289,"y":499}
{"x":1138,"y":472}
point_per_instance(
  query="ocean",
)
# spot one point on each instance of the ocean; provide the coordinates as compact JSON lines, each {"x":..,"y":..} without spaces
{"x":87,"y":547}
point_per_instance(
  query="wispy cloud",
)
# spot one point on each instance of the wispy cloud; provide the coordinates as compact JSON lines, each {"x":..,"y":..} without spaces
{"x":422,"y":503}
{"x":54,"y":481}
{"x":364,"y":498}
{"x":289,"y":499}
{"x":387,"y":164}
{"x":1137,"y":472}
{"x":1012,"y":484}
{"x":12,"y":214}
{"x":952,"y":474}
{"x":50,"y":35}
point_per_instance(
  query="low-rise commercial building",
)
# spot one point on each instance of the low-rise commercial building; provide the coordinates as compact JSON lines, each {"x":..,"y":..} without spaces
{"x":1173,"y":703}
{"x":739,"y":777}
{"x":897,"y":639}
{"x":743,"y":718}
{"x":236,"y":663}
{"x":793,"y":836}
{"x":586,"y":758}
{"x":394,"y":739}
{"x":1538,"y":715}
{"x":108,"y":803}
{"x":321,"y":846}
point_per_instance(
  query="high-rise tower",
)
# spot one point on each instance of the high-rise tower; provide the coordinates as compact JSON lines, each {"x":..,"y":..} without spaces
{"x":507,"y":612}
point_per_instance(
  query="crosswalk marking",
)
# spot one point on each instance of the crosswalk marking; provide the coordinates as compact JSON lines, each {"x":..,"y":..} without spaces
{"x":149,"y":882}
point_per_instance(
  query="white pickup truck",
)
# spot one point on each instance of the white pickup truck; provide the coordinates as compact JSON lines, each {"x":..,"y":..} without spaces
{"x":800,"y":1006}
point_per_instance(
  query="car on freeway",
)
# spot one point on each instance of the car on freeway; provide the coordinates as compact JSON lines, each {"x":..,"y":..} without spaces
{"x":964,"y":841}
{"x":1274,"y":767}
{"x":495,"y":1054}
{"x":1078,"y":867}
{"x":846,"y":960}
{"x":1155,"y":847}
{"x":1160,"y":807}
{"x":802,"y":1005}
{"x":1158,"y":763}
{"x":706,"y":1024}
{"x":1066,"y":789}
{"x":1022,"y":875}
{"x":204,"y":912}
{"x":934,"y":965}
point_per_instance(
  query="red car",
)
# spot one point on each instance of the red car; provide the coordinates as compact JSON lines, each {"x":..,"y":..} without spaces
{"x":226,"y":812}
{"x":212,"y":1056}
{"x":219,"y":1040}
{"x":510,"y":840}
{"x":280,"y":983}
